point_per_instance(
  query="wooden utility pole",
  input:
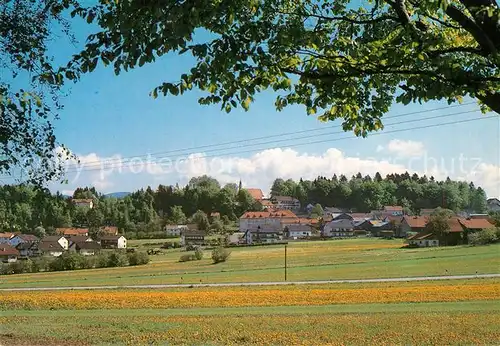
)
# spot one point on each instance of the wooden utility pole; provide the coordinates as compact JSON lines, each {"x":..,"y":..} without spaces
{"x":285,"y":263}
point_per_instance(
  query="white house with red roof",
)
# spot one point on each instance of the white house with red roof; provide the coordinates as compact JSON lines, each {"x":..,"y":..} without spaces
{"x":268,"y":219}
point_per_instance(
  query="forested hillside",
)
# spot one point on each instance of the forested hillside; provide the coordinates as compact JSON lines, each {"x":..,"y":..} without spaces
{"x":143,"y":213}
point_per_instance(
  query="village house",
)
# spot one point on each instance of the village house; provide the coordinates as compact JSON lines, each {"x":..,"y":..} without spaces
{"x":22,"y":238}
{"x":263,"y":234}
{"x":493,"y":204}
{"x":109,"y":230}
{"x":286,"y":203}
{"x":394,"y":210}
{"x":6,"y":237}
{"x":26,"y":249}
{"x":85,"y":248}
{"x":8,"y":254}
{"x":298,"y":231}
{"x":175,"y":230}
{"x":338,"y":228}
{"x":257,"y":194}
{"x":214,"y":215}
{"x":57,"y":238}
{"x":113,"y":242}
{"x":473,"y":225}
{"x":341,"y":216}
{"x":275,"y":219}
{"x":381,"y":228}
{"x":453,"y":236}
{"x":78,"y":239}
{"x":192,"y":237}
{"x":412,"y":224}
{"x":84,"y":203}
{"x":47,"y":248}
{"x":72,"y":231}
{"x":423,"y":239}
{"x":266,"y":204}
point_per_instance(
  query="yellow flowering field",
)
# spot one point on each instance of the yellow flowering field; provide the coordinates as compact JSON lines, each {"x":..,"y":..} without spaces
{"x":407,"y":328}
{"x":248,"y":296}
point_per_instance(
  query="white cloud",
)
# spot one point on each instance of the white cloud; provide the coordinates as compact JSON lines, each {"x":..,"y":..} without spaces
{"x":404,"y":148}
{"x":260,"y":169}
{"x":380,"y":148}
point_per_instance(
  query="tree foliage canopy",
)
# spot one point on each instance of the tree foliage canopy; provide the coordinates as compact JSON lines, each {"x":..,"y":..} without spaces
{"x":30,"y":88}
{"x":340,"y":59}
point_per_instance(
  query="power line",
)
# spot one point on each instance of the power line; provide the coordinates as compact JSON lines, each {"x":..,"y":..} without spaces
{"x":90,"y":163}
{"x":113,"y":162}
{"x":309,"y":143}
{"x":118,"y":161}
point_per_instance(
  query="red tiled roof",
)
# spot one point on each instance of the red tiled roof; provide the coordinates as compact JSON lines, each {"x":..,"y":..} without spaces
{"x":7,"y":235}
{"x":306,"y":221}
{"x":268,"y":214}
{"x":266,"y":202}
{"x":416,"y":221}
{"x":256,"y":194}
{"x":7,"y":250}
{"x":111,"y":230}
{"x":72,"y":231}
{"x":475,"y":223}
{"x":455,"y":226}
{"x":215,"y":214}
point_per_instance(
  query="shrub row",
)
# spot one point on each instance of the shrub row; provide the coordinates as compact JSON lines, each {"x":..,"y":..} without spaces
{"x":74,"y":261}
{"x":485,"y":236}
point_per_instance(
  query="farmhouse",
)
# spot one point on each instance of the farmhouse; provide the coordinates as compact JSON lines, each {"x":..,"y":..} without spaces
{"x":8,"y":254}
{"x":298,"y":231}
{"x":72,"y":231}
{"x":5,"y":237}
{"x":257,"y":194}
{"x":423,"y":239}
{"x":78,"y":239}
{"x":109,"y":230}
{"x":83,"y":203}
{"x":113,"y":242}
{"x":26,"y":249}
{"x":275,"y":219}
{"x":192,"y":237}
{"x":85,"y":248}
{"x":264,"y":234}
{"x":286,"y":202}
{"x":47,"y":248}
{"x":22,"y":238}
{"x":415,"y":224}
{"x":175,"y":230}
{"x":59,"y":239}
{"x":338,"y":228}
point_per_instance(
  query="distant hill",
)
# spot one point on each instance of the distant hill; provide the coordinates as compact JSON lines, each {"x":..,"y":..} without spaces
{"x":117,"y":194}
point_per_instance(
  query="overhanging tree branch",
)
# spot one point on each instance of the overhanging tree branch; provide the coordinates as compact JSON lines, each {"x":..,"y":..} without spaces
{"x":471,"y":26}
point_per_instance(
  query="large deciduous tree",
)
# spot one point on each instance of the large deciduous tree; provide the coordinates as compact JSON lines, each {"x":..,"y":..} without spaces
{"x":30,"y":88}
{"x":340,"y":59}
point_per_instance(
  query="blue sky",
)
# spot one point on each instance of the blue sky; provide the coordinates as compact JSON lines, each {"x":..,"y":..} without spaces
{"x":107,"y":115}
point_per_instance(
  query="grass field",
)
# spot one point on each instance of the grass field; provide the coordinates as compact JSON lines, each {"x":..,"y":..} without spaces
{"x":410,"y":313}
{"x":320,"y":260}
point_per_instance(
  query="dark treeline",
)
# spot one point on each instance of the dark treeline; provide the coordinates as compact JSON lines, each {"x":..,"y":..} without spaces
{"x":367,"y":193}
{"x":143,"y":213}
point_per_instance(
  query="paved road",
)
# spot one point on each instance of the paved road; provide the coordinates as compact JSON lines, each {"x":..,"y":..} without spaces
{"x":271,"y":283}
